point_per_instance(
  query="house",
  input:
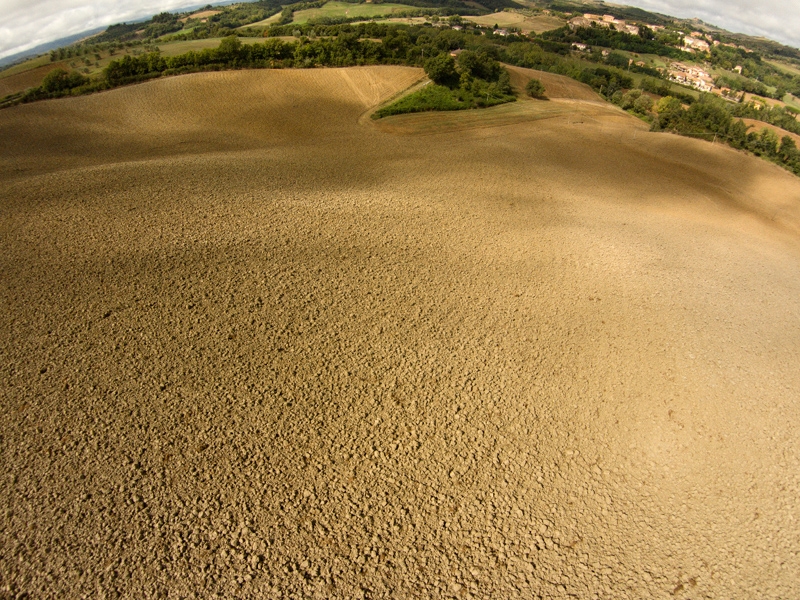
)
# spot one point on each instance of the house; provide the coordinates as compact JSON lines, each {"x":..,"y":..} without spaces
{"x":692,"y":76}
{"x":589,"y":19}
{"x":581,"y":47}
{"x":576,"y":22}
{"x":693,"y":44}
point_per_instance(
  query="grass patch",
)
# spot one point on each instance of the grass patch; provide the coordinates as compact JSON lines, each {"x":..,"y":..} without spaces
{"x":29,"y":64}
{"x":782,"y":66}
{"x":792,"y":100}
{"x":347,"y":10}
{"x":518,"y":20}
{"x":434,"y":97}
{"x":182,"y":47}
{"x":265,"y":23}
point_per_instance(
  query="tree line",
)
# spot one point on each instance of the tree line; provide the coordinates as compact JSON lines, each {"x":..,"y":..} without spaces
{"x":484,"y":84}
{"x":714,"y":119}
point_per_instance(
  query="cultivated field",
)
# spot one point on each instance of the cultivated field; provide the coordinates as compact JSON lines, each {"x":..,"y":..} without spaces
{"x":347,"y":9}
{"x":785,"y":67}
{"x":756,"y":126}
{"x":202,"y":15}
{"x":21,"y":81}
{"x":256,"y":344}
{"x":265,"y":23}
{"x":524,"y":23}
{"x":176,"y":48}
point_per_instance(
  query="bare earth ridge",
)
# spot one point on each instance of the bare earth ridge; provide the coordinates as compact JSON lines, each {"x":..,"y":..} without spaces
{"x":254,"y":344}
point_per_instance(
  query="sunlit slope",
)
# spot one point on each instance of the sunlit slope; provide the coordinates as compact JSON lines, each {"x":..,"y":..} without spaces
{"x":254,"y":344}
{"x":196,"y":113}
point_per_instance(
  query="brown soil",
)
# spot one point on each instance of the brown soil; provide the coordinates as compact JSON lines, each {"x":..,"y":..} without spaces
{"x":767,"y":101}
{"x":19,"y":82}
{"x":556,"y":86}
{"x":255,"y":346}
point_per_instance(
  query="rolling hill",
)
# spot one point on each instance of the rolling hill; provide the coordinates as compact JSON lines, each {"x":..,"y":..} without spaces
{"x":256,"y":344}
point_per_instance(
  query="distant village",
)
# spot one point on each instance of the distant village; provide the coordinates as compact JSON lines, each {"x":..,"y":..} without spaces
{"x":695,"y":42}
{"x":603,"y":21}
{"x":678,"y":72}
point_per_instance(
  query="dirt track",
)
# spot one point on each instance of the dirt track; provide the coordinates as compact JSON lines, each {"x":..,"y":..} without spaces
{"x":254,"y":346}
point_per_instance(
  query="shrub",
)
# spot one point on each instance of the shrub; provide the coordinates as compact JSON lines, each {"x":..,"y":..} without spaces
{"x":643,"y":104}
{"x":431,"y":97}
{"x":535,"y":88}
{"x":479,"y":65}
{"x":629,"y":98}
{"x":442,"y":70}
{"x":59,"y":80}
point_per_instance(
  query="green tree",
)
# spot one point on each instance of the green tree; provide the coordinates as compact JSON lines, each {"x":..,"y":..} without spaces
{"x":766,"y":143}
{"x":442,"y":70}
{"x":59,"y":80}
{"x":788,"y":151}
{"x":164,"y":17}
{"x":479,"y":65}
{"x":629,"y":99}
{"x":737,"y":134}
{"x":615,"y":59}
{"x":668,"y":105}
{"x":229,"y":48}
{"x":535,"y":88}
{"x":643,"y":104}
{"x":287,"y":16}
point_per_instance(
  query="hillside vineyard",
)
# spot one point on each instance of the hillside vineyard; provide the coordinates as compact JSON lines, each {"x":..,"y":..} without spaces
{"x":257,"y":345}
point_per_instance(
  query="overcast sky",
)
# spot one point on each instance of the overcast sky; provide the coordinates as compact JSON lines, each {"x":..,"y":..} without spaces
{"x":776,"y":19}
{"x":29,"y":23}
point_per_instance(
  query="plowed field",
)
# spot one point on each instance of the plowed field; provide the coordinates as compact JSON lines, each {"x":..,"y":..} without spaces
{"x":754,"y":126}
{"x":19,"y":82}
{"x":254,"y":344}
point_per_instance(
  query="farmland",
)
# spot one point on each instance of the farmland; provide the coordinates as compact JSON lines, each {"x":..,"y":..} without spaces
{"x":349,"y":10}
{"x":759,"y":125}
{"x":257,"y":344}
{"x":525,"y":23}
{"x":335,"y":9}
{"x":24,"y":79}
{"x":176,"y":48}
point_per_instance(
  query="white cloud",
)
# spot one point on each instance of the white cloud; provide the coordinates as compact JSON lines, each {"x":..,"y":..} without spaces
{"x":27,"y":24}
{"x":776,"y":19}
